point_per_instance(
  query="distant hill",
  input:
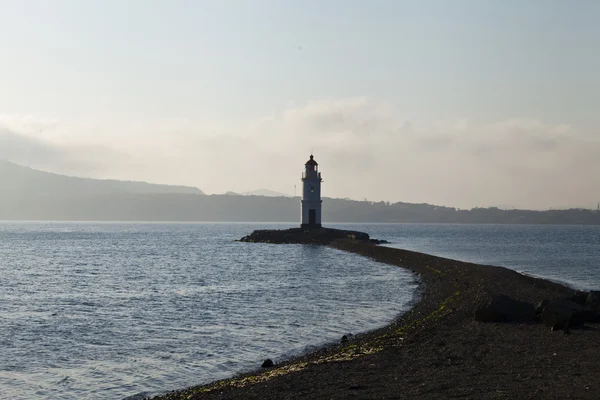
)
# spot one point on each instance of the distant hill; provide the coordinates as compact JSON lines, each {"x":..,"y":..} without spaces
{"x":18,"y":181}
{"x":258,"y":192}
{"x":27,"y":194}
{"x":265,"y":192}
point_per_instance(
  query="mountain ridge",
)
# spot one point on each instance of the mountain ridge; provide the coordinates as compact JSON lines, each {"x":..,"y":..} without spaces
{"x":27,"y":180}
{"x":28,"y":194}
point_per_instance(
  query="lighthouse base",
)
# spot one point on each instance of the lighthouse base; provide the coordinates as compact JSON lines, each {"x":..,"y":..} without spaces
{"x":307,"y":236}
{"x":310,"y":226}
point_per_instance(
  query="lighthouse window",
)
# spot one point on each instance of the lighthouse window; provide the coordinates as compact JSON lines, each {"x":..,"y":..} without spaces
{"x":312,"y":188}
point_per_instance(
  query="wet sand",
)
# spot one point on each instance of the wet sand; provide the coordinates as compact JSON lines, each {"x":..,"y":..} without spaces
{"x":436,"y":350}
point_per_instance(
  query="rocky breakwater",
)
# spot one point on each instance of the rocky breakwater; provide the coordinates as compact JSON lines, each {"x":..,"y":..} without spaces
{"x":322,"y":236}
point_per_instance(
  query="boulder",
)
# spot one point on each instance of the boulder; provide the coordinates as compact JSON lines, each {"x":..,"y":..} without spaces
{"x":379,"y":241}
{"x":579,"y":297}
{"x":593,"y":300}
{"x":268,"y":363}
{"x":540,"y":307}
{"x":562,"y":314}
{"x":591,"y":311}
{"x":501,"y":308}
{"x":590,"y":315}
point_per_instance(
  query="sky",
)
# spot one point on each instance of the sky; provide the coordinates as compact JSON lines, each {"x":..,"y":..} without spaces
{"x":464,"y":103}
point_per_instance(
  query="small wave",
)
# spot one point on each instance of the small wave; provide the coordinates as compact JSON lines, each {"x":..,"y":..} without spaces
{"x":139,"y":396}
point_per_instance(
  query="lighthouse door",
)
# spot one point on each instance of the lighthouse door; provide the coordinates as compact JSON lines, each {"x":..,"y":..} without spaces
{"x":312,"y":217}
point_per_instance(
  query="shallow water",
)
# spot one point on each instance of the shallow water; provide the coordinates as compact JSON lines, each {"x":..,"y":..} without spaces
{"x":565,"y":253}
{"x":106,"y":311}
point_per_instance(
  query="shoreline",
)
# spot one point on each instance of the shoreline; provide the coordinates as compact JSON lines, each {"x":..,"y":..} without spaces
{"x":435,"y":349}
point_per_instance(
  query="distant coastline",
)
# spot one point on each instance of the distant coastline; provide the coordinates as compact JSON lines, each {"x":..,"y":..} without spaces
{"x":175,"y":207}
{"x":28,"y":194}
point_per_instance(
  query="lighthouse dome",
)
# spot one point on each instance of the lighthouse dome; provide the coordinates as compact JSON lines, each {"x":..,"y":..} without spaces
{"x":311,"y":161}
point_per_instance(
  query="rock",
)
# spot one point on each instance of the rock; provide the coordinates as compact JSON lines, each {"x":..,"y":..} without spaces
{"x":501,"y":308}
{"x":563,"y":314}
{"x":590,"y":315}
{"x":540,"y":308}
{"x":593,"y":300}
{"x":268,"y":363}
{"x":305,"y":236}
{"x":579,"y":297}
{"x":139,"y":396}
{"x":591,"y":311}
{"x":344,"y":339}
{"x":379,"y":241}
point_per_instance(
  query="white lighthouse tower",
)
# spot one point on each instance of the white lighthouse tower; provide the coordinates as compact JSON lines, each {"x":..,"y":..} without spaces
{"x":311,"y":195}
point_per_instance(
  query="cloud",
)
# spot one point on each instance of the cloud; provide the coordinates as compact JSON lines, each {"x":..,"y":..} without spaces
{"x":374,"y":151}
{"x":23,"y":148}
{"x":366,"y":148}
{"x":356,"y":116}
{"x":26,"y":149}
{"x":27,"y":124}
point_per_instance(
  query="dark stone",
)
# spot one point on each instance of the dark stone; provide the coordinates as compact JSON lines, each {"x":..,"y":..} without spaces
{"x":591,"y":311}
{"x":305,"y":236}
{"x":579,"y":297}
{"x":268,"y":363}
{"x":379,"y":241}
{"x":344,"y":339}
{"x":563,"y":314}
{"x":501,"y":308}
{"x":139,"y":396}
{"x":540,"y":308}
{"x":590,"y":315}
{"x":593,"y":300}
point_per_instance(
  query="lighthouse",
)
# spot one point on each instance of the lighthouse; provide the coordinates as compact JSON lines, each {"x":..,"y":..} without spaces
{"x":311,"y":195}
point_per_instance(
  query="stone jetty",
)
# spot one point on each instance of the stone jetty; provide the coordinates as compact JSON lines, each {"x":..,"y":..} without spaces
{"x":322,"y":236}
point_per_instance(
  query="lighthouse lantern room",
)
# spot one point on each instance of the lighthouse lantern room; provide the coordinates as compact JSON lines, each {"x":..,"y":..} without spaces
{"x":311,"y":195}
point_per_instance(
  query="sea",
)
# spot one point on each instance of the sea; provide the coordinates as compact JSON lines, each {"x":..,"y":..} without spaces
{"x":126,"y":310}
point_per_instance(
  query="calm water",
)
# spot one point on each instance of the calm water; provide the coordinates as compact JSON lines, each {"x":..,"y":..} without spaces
{"x":105,"y":311}
{"x":567,"y":253}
